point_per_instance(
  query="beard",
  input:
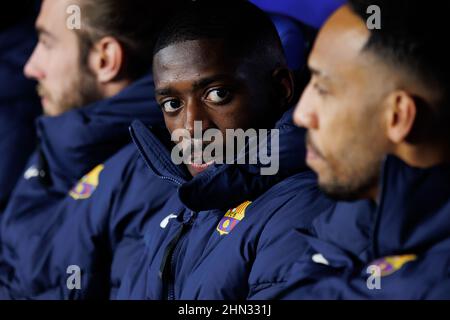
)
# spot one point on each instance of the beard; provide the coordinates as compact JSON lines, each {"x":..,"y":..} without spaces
{"x":81,"y":91}
{"x":350,"y":192}
{"x":356,"y":183}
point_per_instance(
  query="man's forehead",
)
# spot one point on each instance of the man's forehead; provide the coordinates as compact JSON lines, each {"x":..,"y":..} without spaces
{"x":191,"y":53}
{"x":188,"y":59}
{"x":339,"y":42}
{"x":53,"y":15}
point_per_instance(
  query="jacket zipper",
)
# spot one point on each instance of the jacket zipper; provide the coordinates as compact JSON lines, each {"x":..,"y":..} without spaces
{"x":167,"y":268}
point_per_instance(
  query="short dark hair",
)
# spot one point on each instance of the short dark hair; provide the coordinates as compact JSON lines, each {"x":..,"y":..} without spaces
{"x":134,"y":23}
{"x":248,"y":33}
{"x":413,"y":37}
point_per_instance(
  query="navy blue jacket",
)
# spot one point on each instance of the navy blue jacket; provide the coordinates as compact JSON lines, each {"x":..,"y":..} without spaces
{"x":48,"y":219}
{"x":409,"y":252}
{"x":19,"y":105}
{"x":197,"y":249}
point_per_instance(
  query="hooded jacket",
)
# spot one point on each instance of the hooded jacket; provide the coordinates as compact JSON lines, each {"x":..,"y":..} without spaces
{"x":68,"y":167}
{"x":228,"y":233}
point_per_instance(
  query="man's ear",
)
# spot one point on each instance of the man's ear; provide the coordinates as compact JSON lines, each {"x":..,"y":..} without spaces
{"x":401,"y":115}
{"x":107,"y":59}
{"x":284,"y":83}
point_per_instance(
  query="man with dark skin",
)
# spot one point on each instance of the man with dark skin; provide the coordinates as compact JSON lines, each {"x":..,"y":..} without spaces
{"x":194,"y":81}
{"x":229,"y":73}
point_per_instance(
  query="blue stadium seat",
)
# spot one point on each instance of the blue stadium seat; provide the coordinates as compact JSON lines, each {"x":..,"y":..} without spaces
{"x":293,"y":40}
{"x":297,"y":22}
{"x":310,"y":12}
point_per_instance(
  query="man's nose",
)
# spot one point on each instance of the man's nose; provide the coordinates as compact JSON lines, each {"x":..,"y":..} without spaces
{"x":197,"y":118}
{"x":305,"y":114}
{"x":31,"y":69}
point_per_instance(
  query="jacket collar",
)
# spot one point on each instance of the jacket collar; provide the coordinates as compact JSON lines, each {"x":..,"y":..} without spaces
{"x":153,"y":143}
{"x":226,"y":186}
{"x":222,"y":186}
{"x":414,"y":208}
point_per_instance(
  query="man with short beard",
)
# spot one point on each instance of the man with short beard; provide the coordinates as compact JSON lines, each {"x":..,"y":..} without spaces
{"x":93,"y":81}
{"x":377,"y":114}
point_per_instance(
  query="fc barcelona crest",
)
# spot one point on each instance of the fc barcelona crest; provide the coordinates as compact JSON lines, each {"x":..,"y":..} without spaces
{"x":389,"y":265}
{"x":231,"y":219}
{"x":87,"y":185}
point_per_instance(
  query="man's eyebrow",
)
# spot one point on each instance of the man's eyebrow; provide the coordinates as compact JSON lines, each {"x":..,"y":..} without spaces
{"x":42,"y":31}
{"x":314,"y":71}
{"x":204,"y":82}
{"x":318,"y":73}
{"x":197,"y":85}
{"x":164,"y":92}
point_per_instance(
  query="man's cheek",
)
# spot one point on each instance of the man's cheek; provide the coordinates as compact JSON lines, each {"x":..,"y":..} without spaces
{"x":175,"y":121}
{"x":229,"y":121}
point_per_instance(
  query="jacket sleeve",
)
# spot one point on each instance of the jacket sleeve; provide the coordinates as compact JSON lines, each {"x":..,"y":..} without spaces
{"x":75,"y":234}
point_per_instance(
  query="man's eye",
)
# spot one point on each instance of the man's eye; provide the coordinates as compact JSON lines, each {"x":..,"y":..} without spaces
{"x":44,"y":43}
{"x":320,"y":91}
{"x":171,"y":105}
{"x":218,"y":95}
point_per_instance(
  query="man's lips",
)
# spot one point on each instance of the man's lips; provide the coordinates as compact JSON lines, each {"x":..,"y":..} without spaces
{"x":42,"y":93}
{"x":201,"y":167}
{"x":44,"y":100}
{"x":312,"y":153}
